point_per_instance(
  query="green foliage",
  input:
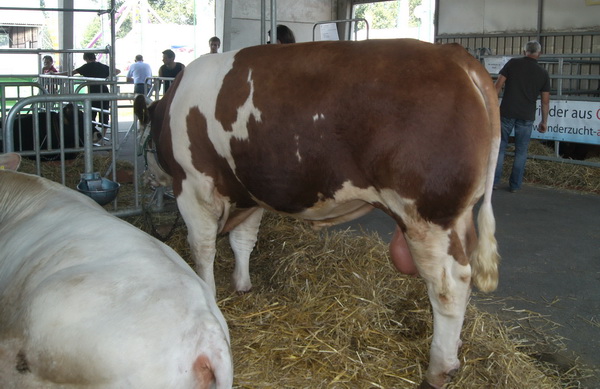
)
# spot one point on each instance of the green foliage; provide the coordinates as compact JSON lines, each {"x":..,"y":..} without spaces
{"x":90,"y":33}
{"x":170,"y":11}
{"x":174,"y":11}
{"x":384,"y":14}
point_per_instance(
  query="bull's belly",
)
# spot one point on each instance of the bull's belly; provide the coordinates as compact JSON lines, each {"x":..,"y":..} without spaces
{"x":331,"y":213}
{"x":347,"y":203}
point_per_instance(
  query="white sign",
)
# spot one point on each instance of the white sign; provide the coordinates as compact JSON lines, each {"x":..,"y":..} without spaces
{"x":329,"y":32}
{"x":570,"y":121}
{"x":494,"y":64}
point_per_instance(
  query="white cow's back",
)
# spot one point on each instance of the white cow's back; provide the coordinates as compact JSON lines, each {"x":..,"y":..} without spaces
{"x":90,"y":301}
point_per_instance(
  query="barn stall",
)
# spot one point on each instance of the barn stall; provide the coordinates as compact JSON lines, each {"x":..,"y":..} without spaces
{"x":262,"y":311}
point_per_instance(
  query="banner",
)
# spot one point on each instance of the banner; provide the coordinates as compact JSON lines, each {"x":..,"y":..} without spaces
{"x":570,"y":121}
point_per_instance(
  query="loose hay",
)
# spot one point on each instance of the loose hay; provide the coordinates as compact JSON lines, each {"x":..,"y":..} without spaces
{"x":75,"y":167}
{"x":329,"y":310}
{"x":556,"y":174}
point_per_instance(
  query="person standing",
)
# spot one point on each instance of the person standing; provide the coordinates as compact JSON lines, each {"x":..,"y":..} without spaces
{"x":214,"y":43}
{"x":52,"y":86}
{"x":523,"y":80}
{"x":95,"y":69}
{"x":138,"y":73}
{"x":48,"y":67}
{"x":284,"y":35}
{"x":170,"y":67}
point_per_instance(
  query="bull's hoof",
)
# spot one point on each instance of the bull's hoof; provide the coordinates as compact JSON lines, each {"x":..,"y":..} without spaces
{"x":242,"y":288}
{"x":427,"y":385}
{"x":241,"y":285}
{"x":449,"y":375}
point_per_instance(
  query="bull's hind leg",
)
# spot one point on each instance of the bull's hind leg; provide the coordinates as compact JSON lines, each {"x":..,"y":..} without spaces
{"x":202,"y":225}
{"x":442,"y":261}
{"x":242,"y":240}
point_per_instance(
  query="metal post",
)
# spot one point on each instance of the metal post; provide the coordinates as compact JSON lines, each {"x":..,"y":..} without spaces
{"x":227,"y":15}
{"x":273,"y":21}
{"x":88,"y":156}
{"x":112,"y":43}
{"x":540,"y":20}
{"x":65,"y":22}
{"x":263,"y":20}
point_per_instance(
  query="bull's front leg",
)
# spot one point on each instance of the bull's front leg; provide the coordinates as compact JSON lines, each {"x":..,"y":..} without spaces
{"x":242,"y":240}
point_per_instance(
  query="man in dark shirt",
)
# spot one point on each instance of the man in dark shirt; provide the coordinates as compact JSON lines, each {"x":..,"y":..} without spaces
{"x":170,"y":67}
{"x":96,"y":70}
{"x":523,"y":80}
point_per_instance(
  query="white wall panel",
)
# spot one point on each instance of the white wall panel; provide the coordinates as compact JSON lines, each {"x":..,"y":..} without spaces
{"x":506,"y":16}
{"x":459,"y":17}
{"x":570,"y":15}
{"x":510,"y":15}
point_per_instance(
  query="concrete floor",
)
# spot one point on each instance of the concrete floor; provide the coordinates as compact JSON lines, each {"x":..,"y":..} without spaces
{"x":549,"y":241}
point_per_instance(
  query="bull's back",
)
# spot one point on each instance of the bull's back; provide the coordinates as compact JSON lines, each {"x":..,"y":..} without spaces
{"x":296,"y":122}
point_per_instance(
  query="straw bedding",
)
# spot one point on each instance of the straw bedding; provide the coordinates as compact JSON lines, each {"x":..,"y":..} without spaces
{"x":555,"y":174}
{"x":328,"y":310}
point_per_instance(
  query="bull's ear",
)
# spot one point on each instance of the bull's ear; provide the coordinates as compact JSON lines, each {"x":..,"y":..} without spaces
{"x":141,"y":109}
{"x":68,"y":114}
{"x":10,"y":161}
{"x":68,"y":109}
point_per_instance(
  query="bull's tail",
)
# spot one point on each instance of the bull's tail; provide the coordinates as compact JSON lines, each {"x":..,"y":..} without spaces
{"x":210,"y":376}
{"x":204,"y":372}
{"x":485,"y":258}
{"x":213,"y":368}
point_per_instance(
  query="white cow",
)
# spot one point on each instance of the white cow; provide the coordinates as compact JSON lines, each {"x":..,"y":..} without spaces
{"x":89,"y":301}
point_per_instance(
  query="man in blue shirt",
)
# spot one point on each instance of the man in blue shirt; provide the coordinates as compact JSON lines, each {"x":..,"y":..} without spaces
{"x":523,"y":80}
{"x":138,"y":72}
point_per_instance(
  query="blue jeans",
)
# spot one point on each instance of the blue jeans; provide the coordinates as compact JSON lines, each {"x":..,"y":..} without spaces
{"x":523,"y":130}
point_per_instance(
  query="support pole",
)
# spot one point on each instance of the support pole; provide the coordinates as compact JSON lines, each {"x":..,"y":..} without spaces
{"x":273,"y":21}
{"x":65,"y":34}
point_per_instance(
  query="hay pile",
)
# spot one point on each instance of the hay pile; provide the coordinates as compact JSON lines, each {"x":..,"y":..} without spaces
{"x":556,"y":174}
{"x":328,"y":310}
{"x":75,"y":167}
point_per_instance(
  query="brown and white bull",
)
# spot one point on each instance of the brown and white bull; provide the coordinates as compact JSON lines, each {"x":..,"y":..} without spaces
{"x":89,"y":301}
{"x":327,"y":131}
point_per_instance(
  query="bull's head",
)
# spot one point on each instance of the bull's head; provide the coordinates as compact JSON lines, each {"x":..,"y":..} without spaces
{"x":71,"y":116}
{"x":154,"y":174}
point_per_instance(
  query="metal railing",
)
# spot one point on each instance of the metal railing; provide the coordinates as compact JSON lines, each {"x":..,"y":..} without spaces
{"x":38,"y":103}
{"x":67,"y":63}
{"x":155,"y":91}
{"x":11,"y":92}
{"x":565,"y":71}
{"x":566,"y":67}
{"x":345,"y":21}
